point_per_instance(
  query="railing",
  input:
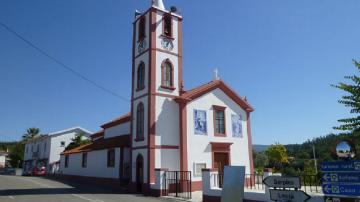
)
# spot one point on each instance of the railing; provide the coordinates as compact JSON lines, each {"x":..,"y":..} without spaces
{"x":309,"y":183}
{"x":178,"y":184}
{"x":254,"y":181}
{"x":218,"y":180}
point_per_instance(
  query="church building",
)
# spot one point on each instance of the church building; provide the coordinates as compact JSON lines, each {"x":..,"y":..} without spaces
{"x":168,"y":128}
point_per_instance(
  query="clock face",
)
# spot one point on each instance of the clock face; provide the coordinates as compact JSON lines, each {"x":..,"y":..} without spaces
{"x":167,"y":44}
{"x":141,"y":46}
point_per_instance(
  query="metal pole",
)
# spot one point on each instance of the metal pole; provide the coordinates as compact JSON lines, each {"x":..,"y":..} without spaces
{"x":316,"y":171}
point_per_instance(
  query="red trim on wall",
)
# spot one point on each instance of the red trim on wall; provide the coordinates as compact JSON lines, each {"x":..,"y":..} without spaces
{"x":250,"y":143}
{"x":165,"y":95}
{"x":220,"y":147}
{"x":160,"y":50}
{"x":180,"y":62}
{"x":139,"y":97}
{"x":151,"y":108}
{"x":139,"y":147}
{"x":208,"y":87}
{"x":166,"y":147}
{"x":215,"y":109}
{"x":183,"y":137}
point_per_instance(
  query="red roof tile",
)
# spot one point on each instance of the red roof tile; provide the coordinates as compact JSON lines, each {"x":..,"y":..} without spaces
{"x":212,"y":85}
{"x":122,"y":119}
{"x":119,"y":141}
{"x":97,"y":134}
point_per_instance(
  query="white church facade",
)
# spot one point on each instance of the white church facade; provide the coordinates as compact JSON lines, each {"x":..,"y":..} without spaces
{"x":168,"y":128}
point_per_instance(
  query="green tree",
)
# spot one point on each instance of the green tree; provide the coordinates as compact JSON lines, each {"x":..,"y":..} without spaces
{"x":351,"y":100}
{"x":31,"y":133}
{"x":260,"y":160}
{"x":77,"y":141}
{"x":277,"y":156}
{"x":16,"y":154}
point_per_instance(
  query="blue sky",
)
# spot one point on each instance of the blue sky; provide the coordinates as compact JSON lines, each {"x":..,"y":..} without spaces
{"x":283,"y":55}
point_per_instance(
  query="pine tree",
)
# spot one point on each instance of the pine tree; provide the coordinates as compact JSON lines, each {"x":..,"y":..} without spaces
{"x":351,"y":100}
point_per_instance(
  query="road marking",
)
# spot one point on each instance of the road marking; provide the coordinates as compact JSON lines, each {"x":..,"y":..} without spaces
{"x":38,"y":183}
{"x":48,"y":186}
{"x":85,"y":198}
{"x":11,"y":197}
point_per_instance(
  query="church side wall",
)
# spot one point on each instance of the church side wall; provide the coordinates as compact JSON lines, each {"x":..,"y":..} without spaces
{"x":96,"y":165}
{"x":118,"y":130}
{"x":199,"y":147}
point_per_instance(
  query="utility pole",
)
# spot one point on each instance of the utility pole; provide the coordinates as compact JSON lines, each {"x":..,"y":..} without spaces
{"x":316,"y":171}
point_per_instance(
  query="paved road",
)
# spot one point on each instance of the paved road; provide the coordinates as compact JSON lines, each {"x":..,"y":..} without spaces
{"x":34,"y":189}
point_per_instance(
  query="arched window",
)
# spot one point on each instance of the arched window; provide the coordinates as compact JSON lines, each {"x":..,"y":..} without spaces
{"x":141,"y":28}
{"x":141,"y":76}
{"x":140,"y":122}
{"x":167,"y":75}
{"x":167,"y":26}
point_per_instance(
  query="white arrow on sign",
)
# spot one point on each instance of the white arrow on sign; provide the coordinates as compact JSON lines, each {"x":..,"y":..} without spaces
{"x":288,"y":195}
{"x":282,"y":182}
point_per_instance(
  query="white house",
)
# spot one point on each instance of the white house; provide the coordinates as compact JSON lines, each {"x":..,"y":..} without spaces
{"x":168,"y":127}
{"x":3,"y":158}
{"x":45,"y":150}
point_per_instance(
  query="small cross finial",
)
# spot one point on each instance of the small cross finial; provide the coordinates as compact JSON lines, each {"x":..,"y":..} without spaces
{"x":216,"y":74}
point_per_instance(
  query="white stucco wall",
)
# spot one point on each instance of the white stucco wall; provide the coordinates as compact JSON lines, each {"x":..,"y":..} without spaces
{"x":2,"y":161}
{"x":118,"y":130}
{"x":40,"y":146}
{"x":56,"y":148}
{"x":167,"y":121}
{"x":199,"y":148}
{"x":96,"y":165}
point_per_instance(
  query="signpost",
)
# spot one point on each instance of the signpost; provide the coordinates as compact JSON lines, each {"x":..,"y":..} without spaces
{"x":342,"y":179}
{"x":283,"y":182}
{"x":288,"y":195}
{"x":277,"y":194}
{"x":340,"y":166}
{"x":342,"y":189}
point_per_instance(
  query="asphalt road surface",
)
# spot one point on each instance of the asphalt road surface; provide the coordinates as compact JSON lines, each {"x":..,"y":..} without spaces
{"x":35,"y":189}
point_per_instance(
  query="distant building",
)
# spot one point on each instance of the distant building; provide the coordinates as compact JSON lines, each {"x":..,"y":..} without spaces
{"x":45,"y":151}
{"x":3,"y":159}
{"x":168,"y":127}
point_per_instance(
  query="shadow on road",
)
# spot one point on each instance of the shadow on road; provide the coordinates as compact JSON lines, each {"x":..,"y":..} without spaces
{"x":75,"y":188}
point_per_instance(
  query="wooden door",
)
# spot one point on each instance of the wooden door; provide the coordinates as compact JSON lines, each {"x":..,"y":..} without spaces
{"x":139,"y":173}
{"x":220,"y":161}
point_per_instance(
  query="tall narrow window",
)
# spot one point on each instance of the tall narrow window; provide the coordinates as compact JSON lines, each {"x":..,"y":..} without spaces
{"x":66,"y":161}
{"x":141,"y":76}
{"x":141,"y":28}
{"x":167,"y":75}
{"x":219,"y":121}
{"x":111,"y":158}
{"x":167,"y":26}
{"x":140,"y":122}
{"x":84,"y":160}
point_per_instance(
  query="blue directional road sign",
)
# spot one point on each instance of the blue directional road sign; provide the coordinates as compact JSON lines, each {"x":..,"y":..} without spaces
{"x":341,"y":177}
{"x":342,"y":189}
{"x":333,"y":166}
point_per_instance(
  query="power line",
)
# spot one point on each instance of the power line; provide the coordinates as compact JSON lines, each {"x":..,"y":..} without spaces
{"x":78,"y":74}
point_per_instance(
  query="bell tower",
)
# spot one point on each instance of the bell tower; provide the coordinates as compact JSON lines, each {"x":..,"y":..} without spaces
{"x":157,"y":78}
